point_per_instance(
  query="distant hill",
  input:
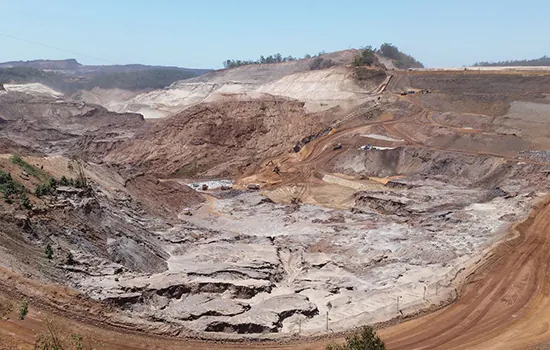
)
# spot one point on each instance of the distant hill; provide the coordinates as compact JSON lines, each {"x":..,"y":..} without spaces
{"x":69,"y":75}
{"x":68,"y":64}
{"x":543,"y":61}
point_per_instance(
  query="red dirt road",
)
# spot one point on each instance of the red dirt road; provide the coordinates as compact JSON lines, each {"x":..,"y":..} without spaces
{"x":504,"y":306}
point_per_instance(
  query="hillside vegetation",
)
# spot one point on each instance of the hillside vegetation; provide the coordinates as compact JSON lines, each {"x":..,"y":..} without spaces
{"x":365,"y":57}
{"x":276,"y":58}
{"x":543,"y":61}
{"x":400,"y":59}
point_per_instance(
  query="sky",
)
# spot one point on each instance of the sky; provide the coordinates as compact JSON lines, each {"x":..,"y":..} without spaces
{"x":204,"y":33}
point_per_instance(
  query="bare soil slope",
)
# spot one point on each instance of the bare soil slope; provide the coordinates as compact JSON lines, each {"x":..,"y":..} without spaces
{"x":218,"y":138}
{"x":383,"y":212}
{"x":322,"y":83}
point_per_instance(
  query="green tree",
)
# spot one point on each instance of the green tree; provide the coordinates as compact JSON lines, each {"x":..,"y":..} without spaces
{"x":7,"y":198}
{"x":52,"y":183}
{"x":363,"y":339}
{"x":40,"y":190}
{"x":390,"y":51}
{"x":64,"y":181}
{"x":49,"y":251}
{"x":365,"y":57}
{"x":23,"y":309}
{"x":25,"y":203}
{"x":401,"y":60}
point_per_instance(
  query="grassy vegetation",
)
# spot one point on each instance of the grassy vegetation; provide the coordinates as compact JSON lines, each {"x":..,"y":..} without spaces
{"x":27,"y":167}
{"x":363,"y":339}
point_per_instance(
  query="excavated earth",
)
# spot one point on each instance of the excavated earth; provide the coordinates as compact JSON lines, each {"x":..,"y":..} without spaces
{"x":259,"y":217}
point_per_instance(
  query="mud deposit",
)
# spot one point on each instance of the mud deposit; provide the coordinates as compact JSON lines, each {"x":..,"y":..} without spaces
{"x":258,"y":217}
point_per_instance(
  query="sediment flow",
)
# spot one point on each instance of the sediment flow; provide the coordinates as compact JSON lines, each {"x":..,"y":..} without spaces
{"x":262,"y":217}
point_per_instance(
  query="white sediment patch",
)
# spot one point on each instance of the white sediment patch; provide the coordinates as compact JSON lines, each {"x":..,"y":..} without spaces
{"x":212,"y":184}
{"x":382,"y":137}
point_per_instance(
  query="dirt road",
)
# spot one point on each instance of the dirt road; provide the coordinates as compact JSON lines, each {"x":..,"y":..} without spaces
{"x":504,"y":306}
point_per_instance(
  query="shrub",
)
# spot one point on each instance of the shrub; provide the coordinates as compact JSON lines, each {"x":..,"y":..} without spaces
{"x":26,"y":203}
{"x":363,"y":339}
{"x":50,"y":187}
{"x":44,"y":189}
{"x":365,"y":57}
{"x":39,"y":190}
{"x":70,"y":259}
{"x":64,"y":181}
{"x":7,"y":198}
{"x":321,"y":63}
{"x":23,"y":310}
{"x":49,"y":251}
{"x":52,"y":183}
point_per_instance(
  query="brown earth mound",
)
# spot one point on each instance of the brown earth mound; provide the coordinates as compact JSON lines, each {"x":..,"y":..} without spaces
{"x":217,"y":139}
